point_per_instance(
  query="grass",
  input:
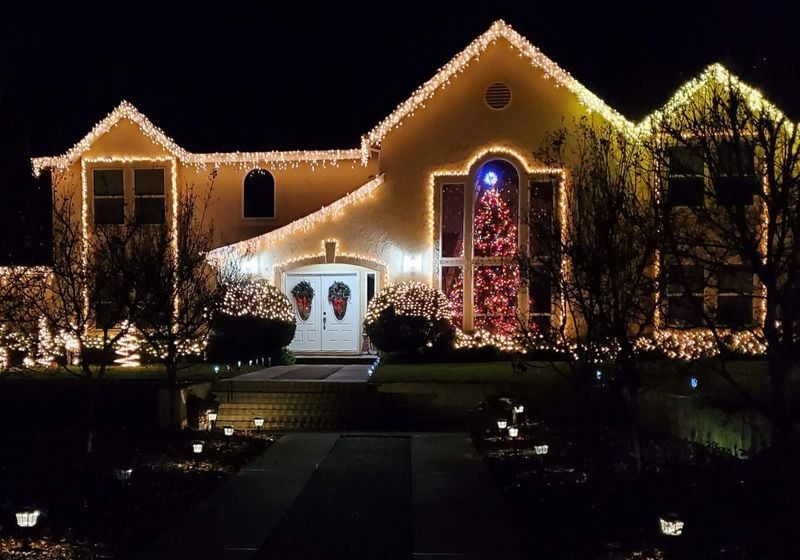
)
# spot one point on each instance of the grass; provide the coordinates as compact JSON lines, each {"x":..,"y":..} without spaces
{"x":473,"y":372}
{"x":193,"y":372}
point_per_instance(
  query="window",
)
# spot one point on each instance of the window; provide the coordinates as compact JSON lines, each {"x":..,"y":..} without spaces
{"x":540,"y":304}
{"x":685,"y":289}
{"x":109,"y":196}
{"x":453,"y":287}
{"x":541,"y":215}
{"x":734,"y":296}
{"x":149,"y":199}
{"x":452,"y":222}
{"x":685,"y":183}
{"x":736,"y":180}
{"x":259,"y":194}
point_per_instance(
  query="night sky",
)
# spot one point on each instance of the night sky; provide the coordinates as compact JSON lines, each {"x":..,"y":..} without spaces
{"x":304,"y":77}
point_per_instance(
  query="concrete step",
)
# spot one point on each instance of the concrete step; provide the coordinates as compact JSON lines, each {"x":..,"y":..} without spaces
{"x":365,"y":359}
{"x":261,"y":386}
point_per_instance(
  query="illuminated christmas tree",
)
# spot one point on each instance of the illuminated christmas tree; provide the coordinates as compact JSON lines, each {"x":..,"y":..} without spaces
{"x":495,"y":286}
{"x":128,"y":350}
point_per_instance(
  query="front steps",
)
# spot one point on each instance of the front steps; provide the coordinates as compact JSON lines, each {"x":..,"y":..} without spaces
{"x":300,"y":405}
{"x":335,"y":359}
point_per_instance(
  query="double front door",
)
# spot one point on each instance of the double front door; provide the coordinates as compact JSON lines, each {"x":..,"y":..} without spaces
{"x":328,"y":320}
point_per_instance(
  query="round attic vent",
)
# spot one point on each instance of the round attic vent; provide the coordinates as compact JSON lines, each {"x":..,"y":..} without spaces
{"x":497,"y":96}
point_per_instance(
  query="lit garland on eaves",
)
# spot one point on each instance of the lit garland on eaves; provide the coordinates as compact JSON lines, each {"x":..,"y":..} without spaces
{"x":258,"y":298}
{"x":417,"y":101}
{"x":330,"y":212}
{"x":275,"y":159}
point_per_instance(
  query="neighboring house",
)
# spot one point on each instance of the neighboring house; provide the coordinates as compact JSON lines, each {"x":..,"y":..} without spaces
{"x":402,"y":206}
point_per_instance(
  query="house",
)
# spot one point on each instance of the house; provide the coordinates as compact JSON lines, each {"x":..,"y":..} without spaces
{"x":407,"y":204}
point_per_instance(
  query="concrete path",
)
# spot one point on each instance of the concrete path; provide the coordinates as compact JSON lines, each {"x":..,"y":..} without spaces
{"x":309,"y":372}
{"x":360,"y":496}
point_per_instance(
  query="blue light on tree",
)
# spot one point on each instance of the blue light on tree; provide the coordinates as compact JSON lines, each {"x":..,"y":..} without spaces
{"x":693,"y":382}
{"x":598,"y":374}
{"x":490,"y":178}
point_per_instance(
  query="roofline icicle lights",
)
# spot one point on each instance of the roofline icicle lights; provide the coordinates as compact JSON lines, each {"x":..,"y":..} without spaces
{"x":498,"y":30}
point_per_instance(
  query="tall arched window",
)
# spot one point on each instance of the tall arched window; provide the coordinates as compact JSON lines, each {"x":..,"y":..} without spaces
{"x":259,"y":194}
{"x":478,"y":240}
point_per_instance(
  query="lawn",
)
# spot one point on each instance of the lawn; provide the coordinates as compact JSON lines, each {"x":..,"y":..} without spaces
{"x":474,"y":372}
{"x":87,"y":512}
{"x":191,"y":372}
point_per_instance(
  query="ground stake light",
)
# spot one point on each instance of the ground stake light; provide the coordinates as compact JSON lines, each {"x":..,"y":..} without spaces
{"x":28,"y":517}
{"x":540,"y":449}
{"x":259,"y":422}
{"x":670,"y":525}
{"x":197,"y":447}
{"x":513,"y":431}
{"x":227,"y":430}
{"x":123,"y":475}
{"x":502,"y":423}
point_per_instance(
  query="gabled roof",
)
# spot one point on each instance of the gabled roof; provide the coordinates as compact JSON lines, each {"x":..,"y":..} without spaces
{"x":498,"y":30}
{"x":127,"y":111}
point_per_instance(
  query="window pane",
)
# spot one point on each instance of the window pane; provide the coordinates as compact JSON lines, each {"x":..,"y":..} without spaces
{"x":108,"y":182}
{"x":684,"y":160}
{"x":109,"y":210}
{"x":735,"y":279}
{"x":494,"y":298}
{"x":148,"y":181}
{"x":541,"y":216}
{"x":150,"y":210}
{"x":540,"y":324}
{"x":684,"y":311}
{"x":452,"y":221}
{"x":736,"y":162}
{"x":370,"y":287}
{"x":685,"y":191}
{"x":259,"y":194}
{"x":735,"y":190}
{"x":734,"y":311}
{"x":496,"y":213}
{"x":685,"y":279}
{"x":539,"y":294}
{"x":453,"y":288}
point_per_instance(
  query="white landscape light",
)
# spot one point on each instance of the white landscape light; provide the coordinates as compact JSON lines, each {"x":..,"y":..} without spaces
{"x":216,"y":370}
{"x":123,"y":475}
{"x":258,"y":421}
{"x":28,"y":517}
{"x":197,"y":447}
{"x":212,"y":415}
{"x":502,"y":423}
{"x":540,"y":449}
{"x":513,"y":431}
{"x":670,"y":525}
{"x":519,"y":409}
{"x":227,"y":430}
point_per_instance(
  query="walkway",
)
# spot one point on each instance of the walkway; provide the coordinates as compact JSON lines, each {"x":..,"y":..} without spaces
{"x":309,"y":372}
{"x":350,"y":496}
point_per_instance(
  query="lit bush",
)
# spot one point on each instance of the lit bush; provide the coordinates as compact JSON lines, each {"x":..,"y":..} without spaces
{"x":254,"y":320}
{"x":410,"y":317}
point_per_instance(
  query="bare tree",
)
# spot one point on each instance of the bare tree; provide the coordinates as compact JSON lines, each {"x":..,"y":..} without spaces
{"x":732,"y":167}
{"x":599,"y":257}
{"x":175,"y":285}
{"x":85,"y":297}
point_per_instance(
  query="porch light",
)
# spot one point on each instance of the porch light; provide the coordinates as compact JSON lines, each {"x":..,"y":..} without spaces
{"x":540,"y":449}
{"x":513,"y":431}
{"x":502,"y":423}
{"x":259,"y":422}
{"x":28,"y":517}
{"x":670,"y":525}
{"x":197,"y":447}
{"x":227,"y":430}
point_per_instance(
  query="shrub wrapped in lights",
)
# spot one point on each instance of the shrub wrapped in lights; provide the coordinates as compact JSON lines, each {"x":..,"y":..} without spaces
{"x":255,"y":319}
{"x":410,"y":317}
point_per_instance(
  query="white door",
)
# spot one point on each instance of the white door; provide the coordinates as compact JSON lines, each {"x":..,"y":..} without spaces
{"x":340,"y":315}
{"x":308,"y":335}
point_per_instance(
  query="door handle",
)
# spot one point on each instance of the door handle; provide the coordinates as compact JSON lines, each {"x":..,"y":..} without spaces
{"x":324,"y":319}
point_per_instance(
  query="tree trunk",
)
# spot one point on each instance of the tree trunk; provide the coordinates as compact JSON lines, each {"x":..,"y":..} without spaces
{"x":781,"y":421}
{"x":91,"y":405}
{"x":630,"y":393}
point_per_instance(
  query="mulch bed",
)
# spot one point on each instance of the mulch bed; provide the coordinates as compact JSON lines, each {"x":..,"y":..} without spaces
{"x":88,"y":513}
{"x":581,"y":501}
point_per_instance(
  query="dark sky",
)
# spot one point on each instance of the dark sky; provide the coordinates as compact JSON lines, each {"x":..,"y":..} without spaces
{"x":263,"y":75}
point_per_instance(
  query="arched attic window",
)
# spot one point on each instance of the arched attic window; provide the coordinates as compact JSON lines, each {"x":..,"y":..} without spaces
{"x":259,"y":194}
